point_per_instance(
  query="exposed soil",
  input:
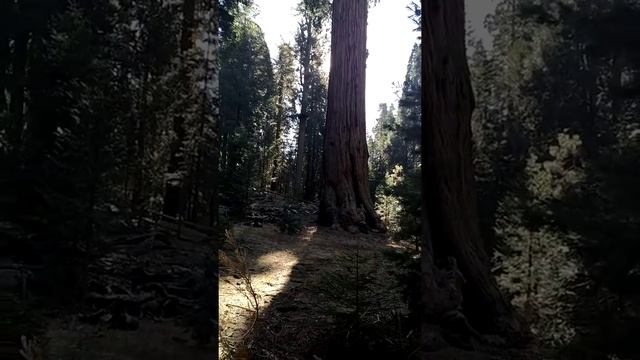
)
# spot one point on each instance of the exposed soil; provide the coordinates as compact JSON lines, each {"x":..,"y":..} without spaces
{"x":290,"y":275}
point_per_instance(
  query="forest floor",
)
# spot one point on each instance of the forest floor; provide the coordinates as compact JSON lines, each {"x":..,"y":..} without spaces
{"x":146,"y":288}
{"x":313,"y":293}
{"x":322,"y":293}
{"x":302,"y":283}
{"x":305,"y":284}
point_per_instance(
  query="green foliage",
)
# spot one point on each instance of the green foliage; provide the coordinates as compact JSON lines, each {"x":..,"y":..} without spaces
{"x":380,"y":145}
{"x":395,"y":157}
{"x":248,"y":107}
{"x":552,"y":142}
{"x":285,"y":79}
{"x":291,"y":221}
{"x":260,"y":101}
{"x":310,"y":47}
{"x":90,"y":122}
{"x":406,"y":146}
{"x":537,"y":262}
{"x":389,"y":207}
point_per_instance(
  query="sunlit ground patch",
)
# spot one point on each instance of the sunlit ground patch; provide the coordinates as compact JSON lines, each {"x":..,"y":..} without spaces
{"x":269,"y":274}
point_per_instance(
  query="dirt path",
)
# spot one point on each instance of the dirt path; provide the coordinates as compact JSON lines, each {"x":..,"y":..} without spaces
{"x":298,"y":279}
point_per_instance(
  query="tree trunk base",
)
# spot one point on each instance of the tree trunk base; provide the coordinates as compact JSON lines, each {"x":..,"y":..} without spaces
{"x":350,"y":219}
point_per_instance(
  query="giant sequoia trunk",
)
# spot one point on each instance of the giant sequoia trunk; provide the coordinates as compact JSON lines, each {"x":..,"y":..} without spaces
{"x":345,"y":197}
{"x":451,"y":220}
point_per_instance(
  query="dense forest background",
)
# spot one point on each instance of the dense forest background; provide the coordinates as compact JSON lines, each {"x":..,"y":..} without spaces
{"x":108,"y":120}
{"x":274,"y":111}
{"x":113,"y":113}
{"x":107,"y":108}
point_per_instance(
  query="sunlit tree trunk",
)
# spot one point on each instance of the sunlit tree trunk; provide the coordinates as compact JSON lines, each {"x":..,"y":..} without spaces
{"x":345,"y":196}
{"x":451,"y":220}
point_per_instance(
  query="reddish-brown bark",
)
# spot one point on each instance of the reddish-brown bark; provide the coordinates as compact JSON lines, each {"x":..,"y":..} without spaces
{"x":451,"y":226}
{"x":345,"y":196}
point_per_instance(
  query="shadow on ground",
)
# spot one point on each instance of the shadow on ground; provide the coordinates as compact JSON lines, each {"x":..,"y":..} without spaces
{"x":309,"y":301}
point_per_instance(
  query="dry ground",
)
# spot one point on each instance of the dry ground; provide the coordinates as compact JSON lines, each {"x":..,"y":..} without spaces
{"x":305,"y":284}
{"x":297,"y":279}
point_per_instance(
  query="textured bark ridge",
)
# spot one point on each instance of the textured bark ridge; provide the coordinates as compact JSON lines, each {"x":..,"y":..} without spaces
{"x":345,"y":198}
{"x":451,"y":223}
